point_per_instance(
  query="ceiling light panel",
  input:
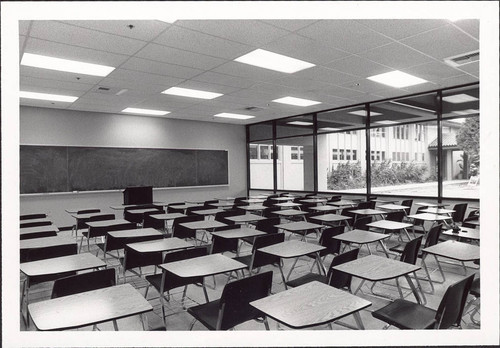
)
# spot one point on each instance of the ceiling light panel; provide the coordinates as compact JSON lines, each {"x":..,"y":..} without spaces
{"x":235,"y":116}
{"x":46,"y":96}
{"x":363,"y":113}
{"x":329,"y":129}
{"x":459,"y":98}
{"x":191,"y":93}
{"x":397,"y":79}
{"x":296,"y":101}
{"x":300,"y":123}
{"x":273,"y":61}
{"x":145,"y":111}
{"x":386,"y":122}
{"x":72,"y":66}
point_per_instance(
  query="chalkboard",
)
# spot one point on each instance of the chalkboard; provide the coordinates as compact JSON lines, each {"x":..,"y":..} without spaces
{"x":71,"y":168}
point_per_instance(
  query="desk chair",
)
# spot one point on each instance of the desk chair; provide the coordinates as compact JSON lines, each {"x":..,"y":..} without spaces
{"x":472,"y":217}
{"x":183,"y":232}
{"x":111,"y":243}
{"x":95,"y":232}
{"x":407,"y":203}
{"x":81,"y":224}
{"x":360,"y":223}
{"x":132,"y":259}
{"x":268,"y":212}
{"x":268,"y":225}
{"x":189,"y":211}
{"x":335,"y":198}
{"x":233,"y":307}
{"x":35,"y":224}
{"x":459,"y":214}
{"x":166,"y":281}
{"x":404,"y":314}
{"x":32,"y":216}
{"x":41,"y":234}
{"x":221,"y":217}
{"x":153,"y":223}
{"x":207,"y":204}
{"x":129,"y":215}
{"x":475,"y":291}
{"x":366,"y":205}
{"x":172,"y":209}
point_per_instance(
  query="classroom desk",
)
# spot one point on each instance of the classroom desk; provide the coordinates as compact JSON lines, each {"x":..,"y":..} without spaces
{"x":465,"y":232}
{"x":197,"y":202}
{"x":300,"y":226}
{"x":362,"y":237}
{"x":222,"y":205}
{"x":203,"y":225}
{"x":253,"y":207}
{"x":245,"y":219}
{"x":288,"y":205}
{"x":367,"y":212}
{"x":184,"y":206}
{"x":44,"y":221}
{"x":377,"y":268}
{"x":202,"y":266}
{"x":311,"y":304}
{"x":440,"y":211}
{"x":230,"y":199}
{"x":258,"y":197}
{"x":166,"y":217}
{"x":294,"y":249}
{"x":106,"y":223}
{"x":238,"y":233}
{"x":428,"y":217}
{"x":290,"y":213}
{"x":45,"y":242}
{"x":79,"y":217}
{"x":391,"y":226}
{"x":430,"y":205}
{"x":116,"y":240}
{"x":76,"y":210}
{"x":57,"y":265}
{"x":314,"y":200}
{"x":253,"y":200}
{"x":160,"y":245}
{"x":90,"y":307}
{"x":393,"y":207}
{"x":207,"y":212}
{"x":49,"y":229}
{"x":343,"y":203}
{"x":451,"y":249}
{"x":383,"y":201}
{"x":329,"y":218}
{"x":283,"y":198}
{"x":325,"y":208}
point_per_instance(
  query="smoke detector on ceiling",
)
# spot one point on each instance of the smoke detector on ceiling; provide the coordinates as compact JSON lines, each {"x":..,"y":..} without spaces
{"x":463,"y":59}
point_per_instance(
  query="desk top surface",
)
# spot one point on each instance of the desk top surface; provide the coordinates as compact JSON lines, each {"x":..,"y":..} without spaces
{"x":314,"y":200}
{"x":384,"y":201}
{"x":343,"y":203}
{"x":471,"y":233}
{"x":77,"y":262}
{"x":76,"y":210}
{"x":136,"y":232}
{"x":290,"y":212}
{"x":436,"y":210}
{"x":325,"y":208}
{"x":184,"y":206}
{"x":252,"y":207}
{"x":376,"y":268}
{"x":207,"y":211}
{"x":393,"y":207}
{"x":123,"y":206}
{"x":85,"y":216}
{"x":45,"y":242}
{"x":141,"y":211}
{"x":245,"y":218}
{"x":200,"y":225}
{"x":455,"y":250}
{"x":100,"y":305}
{"x":309,"y":305}
{"x":389,"y":225}
{"x":203,"y":266}
{"x":221,"y":204}
{"x":236,"y":233}
{"x":30,"y":221}
{"x":283,"y":198}
{"x":330,"y":217}
{"x":165,"y":244}
{"x":287,"y":204}
{"x":258,"y":197}
{"x":253,"y":200}
{"x":368,"y":212}
{"x":292,"y":248}
{"x":37,"y":229}
{"x":298,"y":226}
{"x":361,"y":237}
{"x":427,"y":204}
{"x":167,"y":216}
{"x":107,"y":223}
{"x":429,"y":217}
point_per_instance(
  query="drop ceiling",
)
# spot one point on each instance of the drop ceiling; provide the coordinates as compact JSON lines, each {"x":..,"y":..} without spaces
{"x":151,"y":56}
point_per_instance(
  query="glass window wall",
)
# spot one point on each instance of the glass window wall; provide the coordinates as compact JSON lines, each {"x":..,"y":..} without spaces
{"x":295,"y":170}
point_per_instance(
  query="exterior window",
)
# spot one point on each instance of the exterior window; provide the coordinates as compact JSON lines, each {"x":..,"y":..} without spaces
{"x":296,"y":152}
{"x":383,"y":155}
{"x":254,"y":151}
{"x":354,"y":152}
{"x":265,"y":152}
{"x":378,"y":132}
{"x":342,"y":154}
{"x":335,"y":154}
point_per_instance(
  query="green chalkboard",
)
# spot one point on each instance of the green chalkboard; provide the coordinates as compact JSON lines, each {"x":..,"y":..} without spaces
{"x":71,"y":168}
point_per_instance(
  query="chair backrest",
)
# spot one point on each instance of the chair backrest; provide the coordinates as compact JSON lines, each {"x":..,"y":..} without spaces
{"x":410,"y":252}
{"x":151,"y":222}
{"x":32,"y":216}
{"x":183,"y":232}
{"x":418,"y":222}
{"x":335,"y":198}
{"x":82,"y":223}
{"x":190,"y":210}
{"x":102,"y":217}
{"x":221,"y":217}
{"x":459,"y":214}
{"x":48,"y":252}
{"x":339,"y":279}
{"x":171,"y":280}
{"x":101,"y":231}
{"x":347,"y":211}
{"x":220,"y":245}
{"x":396,"y":216}
{"x":88,"y":211}
{"x":433,"y":236}
{"x":326,"y":240}
{"x":173,"y":209}
{"x":84,"y":282}
{"x":407,"y":203}
{"x":268,"y":225}
{"x":259,"y":258}
{"x":35,"y":224}
{"x":41,"y":234}
{"x":113,"y":243}
{"x":133,"y":259}
{"x":239,"y":199}
{"x":234,"y":305}
{"x":207,"y":203}
{"x":269,"y":203}
{"x":268,"y":212}
{"x":366,"y":205}
{"x":361,"y":223}
{"x":452,"y":304}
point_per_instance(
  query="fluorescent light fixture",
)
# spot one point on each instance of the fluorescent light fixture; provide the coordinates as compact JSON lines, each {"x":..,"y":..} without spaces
{"x":386,"y":122}
{"x":273,"y":61}
{"x":459,"y":98}
{"x":329,"y":129}
{"x":466,"y":112}
{"x":296,"y":101}
{"x":412,"y":107}
{"x":300,"y":123}
{"x":458,"y":120}
{"x":397,"y":79}
{"x":46,"y":96}
{"x":146,"y":111}
{"x":235,"y":116}
{"x":192,"y":93}
{"x":72,"y":66}
{"x":363,"y":113}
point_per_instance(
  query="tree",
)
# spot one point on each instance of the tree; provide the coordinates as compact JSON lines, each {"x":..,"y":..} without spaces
{"x":468,"y":141}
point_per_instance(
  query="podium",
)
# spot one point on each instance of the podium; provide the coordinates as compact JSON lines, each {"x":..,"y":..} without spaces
{"x":138,"y":195}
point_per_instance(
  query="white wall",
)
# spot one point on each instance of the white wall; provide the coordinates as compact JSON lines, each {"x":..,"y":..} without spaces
{"x":43,"y":126}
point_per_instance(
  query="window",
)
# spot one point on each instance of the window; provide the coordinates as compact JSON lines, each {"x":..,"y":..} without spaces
{"x":335,"y":154}
{"x":378,"y":132}
{"x":354,"y":155}
{"x":254,"y":152}
{"x":265,"y":152}
{"x":297,"y":152}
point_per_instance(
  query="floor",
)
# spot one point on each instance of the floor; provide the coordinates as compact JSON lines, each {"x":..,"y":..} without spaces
{"x":178,"y":319}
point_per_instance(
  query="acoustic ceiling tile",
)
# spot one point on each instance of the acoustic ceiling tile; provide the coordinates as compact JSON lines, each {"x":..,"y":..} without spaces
{"x":358,"y":66}
{"x":325,"y":75}
{"x":144,"y":78}
{"x":470,"y":26}
{"x":63,"y":85}
{"x":290,"y":24}
{"x":82,"y":37}
{"x":194,"y":41}
{"x":248,"y":71}
{"x":54,"y":75}
{"x":433,"y":71}
{"x":223,"y":79}
{"x":402,"y":28}
{"x":395,"y":56}
{"x":158,"y":68}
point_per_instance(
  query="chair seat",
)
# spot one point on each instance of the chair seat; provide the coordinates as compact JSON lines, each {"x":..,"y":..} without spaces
{"x":399,"y":248}
{"x":247,"y":259}
{"x":307,"y":279}
{"x":407,"y":315}
{"x":206,"y":313}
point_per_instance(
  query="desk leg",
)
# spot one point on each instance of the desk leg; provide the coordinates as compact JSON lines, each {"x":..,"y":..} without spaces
{"x":359,"y":287}
{"x":205,"y":291}
{"x":282,"y":276}
{"x":291,"y":269}
{"x":384,"y":248}
{"x":321,"y":266}
{"x":143,"y":321}
{"x":407,"y":235}
{"x":115,"y":325}
{"x":413,"y":289}
{"x":358,"y":320}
